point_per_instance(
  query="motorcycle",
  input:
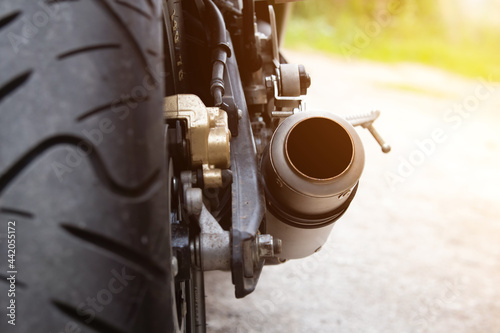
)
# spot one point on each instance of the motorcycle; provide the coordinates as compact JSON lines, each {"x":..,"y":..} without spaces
{"x":144,"y":143}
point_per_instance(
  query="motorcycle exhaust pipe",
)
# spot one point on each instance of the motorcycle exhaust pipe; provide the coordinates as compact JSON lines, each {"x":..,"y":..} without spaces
{"x":311,"y":170}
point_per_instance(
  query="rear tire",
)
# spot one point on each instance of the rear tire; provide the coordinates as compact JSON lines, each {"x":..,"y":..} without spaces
{"x":83,"y":166}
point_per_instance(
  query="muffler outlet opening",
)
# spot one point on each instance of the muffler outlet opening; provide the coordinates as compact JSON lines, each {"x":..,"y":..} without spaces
{"x":319,"y":148}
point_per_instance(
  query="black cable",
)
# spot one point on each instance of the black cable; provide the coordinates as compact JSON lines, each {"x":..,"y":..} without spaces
{"x":220,"y":51}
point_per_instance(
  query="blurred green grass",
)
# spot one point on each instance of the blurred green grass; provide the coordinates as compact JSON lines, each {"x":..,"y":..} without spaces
{"x":414,"y":31}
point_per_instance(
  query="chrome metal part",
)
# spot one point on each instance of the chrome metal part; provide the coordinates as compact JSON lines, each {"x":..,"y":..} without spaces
{"x":268,"y":246}
{"x":366,"y":121}
{"x":264,"y":248}
{"x":215,"y":243}
{"x":208,"y":135}
{"x":311,"y":171}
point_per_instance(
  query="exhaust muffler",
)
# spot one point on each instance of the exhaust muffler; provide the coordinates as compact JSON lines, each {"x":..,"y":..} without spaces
{"x":311,"y":171}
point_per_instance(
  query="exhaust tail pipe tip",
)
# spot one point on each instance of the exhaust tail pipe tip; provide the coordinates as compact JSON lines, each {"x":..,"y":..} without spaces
{"x":311,"y":170}
{"x":319,"y":148}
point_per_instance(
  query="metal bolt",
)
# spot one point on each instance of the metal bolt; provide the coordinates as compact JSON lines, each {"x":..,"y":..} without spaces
{"x":268,"y":247}
{"x":240,"y":113}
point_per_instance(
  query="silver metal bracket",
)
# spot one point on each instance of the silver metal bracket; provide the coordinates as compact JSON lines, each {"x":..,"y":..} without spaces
{"x":290,"y":104}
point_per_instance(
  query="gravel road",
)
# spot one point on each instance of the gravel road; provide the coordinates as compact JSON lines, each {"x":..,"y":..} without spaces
{"x":419,"y":249}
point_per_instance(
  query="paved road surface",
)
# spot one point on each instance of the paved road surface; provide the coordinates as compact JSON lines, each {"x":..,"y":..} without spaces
{"x":419,"y":249}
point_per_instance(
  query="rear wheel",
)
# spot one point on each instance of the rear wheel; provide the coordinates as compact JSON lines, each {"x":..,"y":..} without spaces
{"x":82,"y":166}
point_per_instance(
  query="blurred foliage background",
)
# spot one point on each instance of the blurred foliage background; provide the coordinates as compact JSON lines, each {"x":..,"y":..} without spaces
{"x":462,"y":36}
